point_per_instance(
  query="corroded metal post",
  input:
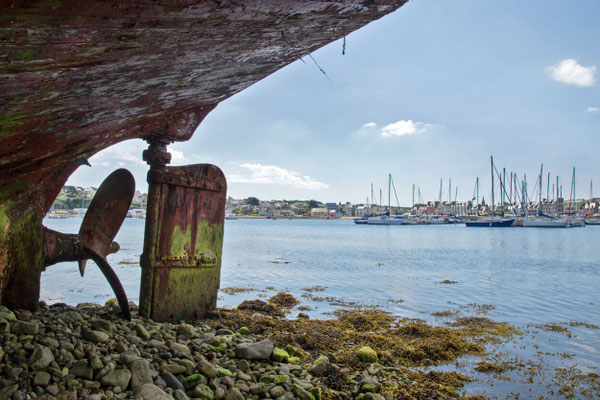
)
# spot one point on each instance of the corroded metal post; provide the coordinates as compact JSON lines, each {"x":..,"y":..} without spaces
{"x":181,"y":261}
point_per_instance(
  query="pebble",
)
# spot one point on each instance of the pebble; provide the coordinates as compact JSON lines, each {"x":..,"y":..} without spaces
{"x":255,"y":351}
{"x":151,"y":392}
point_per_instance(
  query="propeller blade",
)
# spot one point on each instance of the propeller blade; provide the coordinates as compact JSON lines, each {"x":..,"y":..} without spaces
{"x":106,"y":213}
{"x":113,"y":280}
{"x":82,"y":264}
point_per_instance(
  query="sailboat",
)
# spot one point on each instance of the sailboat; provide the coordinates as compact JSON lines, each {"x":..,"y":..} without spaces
{"x":386,"y":218}
{"x":493,"y":221}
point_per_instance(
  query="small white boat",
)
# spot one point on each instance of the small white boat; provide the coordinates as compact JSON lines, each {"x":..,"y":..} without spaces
{"x":543,"y":223}
{"x":230,"y":216}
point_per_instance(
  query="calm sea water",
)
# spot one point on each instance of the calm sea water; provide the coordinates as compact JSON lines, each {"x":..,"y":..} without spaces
{"x":526,"y":277}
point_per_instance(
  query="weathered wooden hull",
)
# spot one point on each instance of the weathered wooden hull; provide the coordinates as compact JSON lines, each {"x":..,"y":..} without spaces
{"x":77,"y":76}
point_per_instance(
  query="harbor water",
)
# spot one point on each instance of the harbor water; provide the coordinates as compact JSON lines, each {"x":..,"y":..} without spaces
{"x":530,"y":278}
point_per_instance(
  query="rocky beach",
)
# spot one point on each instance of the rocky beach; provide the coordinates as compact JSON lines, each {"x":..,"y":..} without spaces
{"x":251,"y":352}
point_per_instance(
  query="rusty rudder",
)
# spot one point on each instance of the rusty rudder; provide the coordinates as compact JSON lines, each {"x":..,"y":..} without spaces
{"x":181,"y":262}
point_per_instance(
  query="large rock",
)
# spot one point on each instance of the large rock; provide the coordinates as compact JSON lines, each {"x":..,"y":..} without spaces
{"x":7,"y":314}
{"x":41,"y":358}
{"x":151,"y":392}
{"x":367,"y":354}
{"x":117,"y":377}
{"x":25,"y":328}
{"x":255,"y":351}
{"x":172,"y":380}
{"x":320,"y":366}
{"x":234,"y":394}
{"x":140,"y":373}
{"x":95,"y":336}
{"x":207,"y":369}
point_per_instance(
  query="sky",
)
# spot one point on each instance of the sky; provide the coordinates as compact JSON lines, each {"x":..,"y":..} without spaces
{"x":429,"y":92}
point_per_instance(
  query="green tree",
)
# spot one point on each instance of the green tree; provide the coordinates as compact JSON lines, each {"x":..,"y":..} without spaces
{"x":253,"y":201}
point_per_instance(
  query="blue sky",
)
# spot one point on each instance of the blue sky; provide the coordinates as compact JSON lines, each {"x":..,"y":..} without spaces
{"x":428,"y":92}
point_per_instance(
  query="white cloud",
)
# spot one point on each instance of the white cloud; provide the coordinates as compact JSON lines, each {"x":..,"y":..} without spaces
{"x":403,"y":127}
{"x":593,"y":109}
{"x":270,"y":174}
{"x":177,"y":157}
{"x":122,"y":154}
{"x":369,"y":125}
{"x":569,"y":71}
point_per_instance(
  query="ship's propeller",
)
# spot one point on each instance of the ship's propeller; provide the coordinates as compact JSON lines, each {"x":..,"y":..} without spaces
{"x":100,"y":225}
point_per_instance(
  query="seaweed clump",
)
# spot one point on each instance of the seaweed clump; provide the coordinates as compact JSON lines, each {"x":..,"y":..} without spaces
{"x":402,"y":347}
{"x":284,"y":300}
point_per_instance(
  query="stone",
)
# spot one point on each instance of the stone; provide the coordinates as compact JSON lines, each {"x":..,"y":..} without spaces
{"x":66,"y":395}
{"x":141,"y":331}
{"x":234,"y":394}
{"x":42,"y":378}
{"x":117,"y":377}
{"x":277,"y":391}
{"x":203,"y":392}
{"x":95,"y":336}
{"x":243,"y":365}
{"x":373,"y":396}
{"x":8,"y":391}
{"x":195,"y":380}
{"x":7,"y":314}
{"x":128,"y":357}
{"x":257,"y":389}
{"x":320,"y":366}
{"x":219,"y":393}
{"x":52,"y":389}
{"x":175,"y":369}
{"x":207,"y":369}
{"x":4,"y":325}
{"x":140,"y":373}
{"x":41,"y":358}
{"x":280,"y":355}
{"x":105,"y":325}
{"x":96,"y":363}
{"x":367,"y":354}
{"x":224,"y":372}
{"x":180,"y":395}
{"x":189,"y":365}
{"x":71,"y":317}
{"x":107,"y":368}
{"x":316,"y":392}
{"x":301,"y":393}
{"x":82,"y":371}
{"x":186,"y":330}
{"x":243,"y":330}
{"x":172,"y":380}
{"x":255,"y":351}
{"x":25,"y":328}
{"x":181,"y":348}
{"x":151,"y":392}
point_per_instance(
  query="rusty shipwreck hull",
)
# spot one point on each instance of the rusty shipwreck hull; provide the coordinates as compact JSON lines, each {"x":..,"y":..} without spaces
{"x":79,"y":76}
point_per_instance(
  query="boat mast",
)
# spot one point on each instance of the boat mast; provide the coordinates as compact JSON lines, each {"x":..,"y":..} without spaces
{"x":573,"y":190}
{"x":556,"y":203}
{"x":548,"y":188}
{"x":503,"y":186}
{"x":510,"y":192}
{"x":390,"y":194}
{"x":450,"y":190}
{"x":540,"y":194}
{"x":413,"y":200}
{"x":492,"y":171}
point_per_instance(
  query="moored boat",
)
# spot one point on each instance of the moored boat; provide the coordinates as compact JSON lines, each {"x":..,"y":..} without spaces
{"x":491,"y":223}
